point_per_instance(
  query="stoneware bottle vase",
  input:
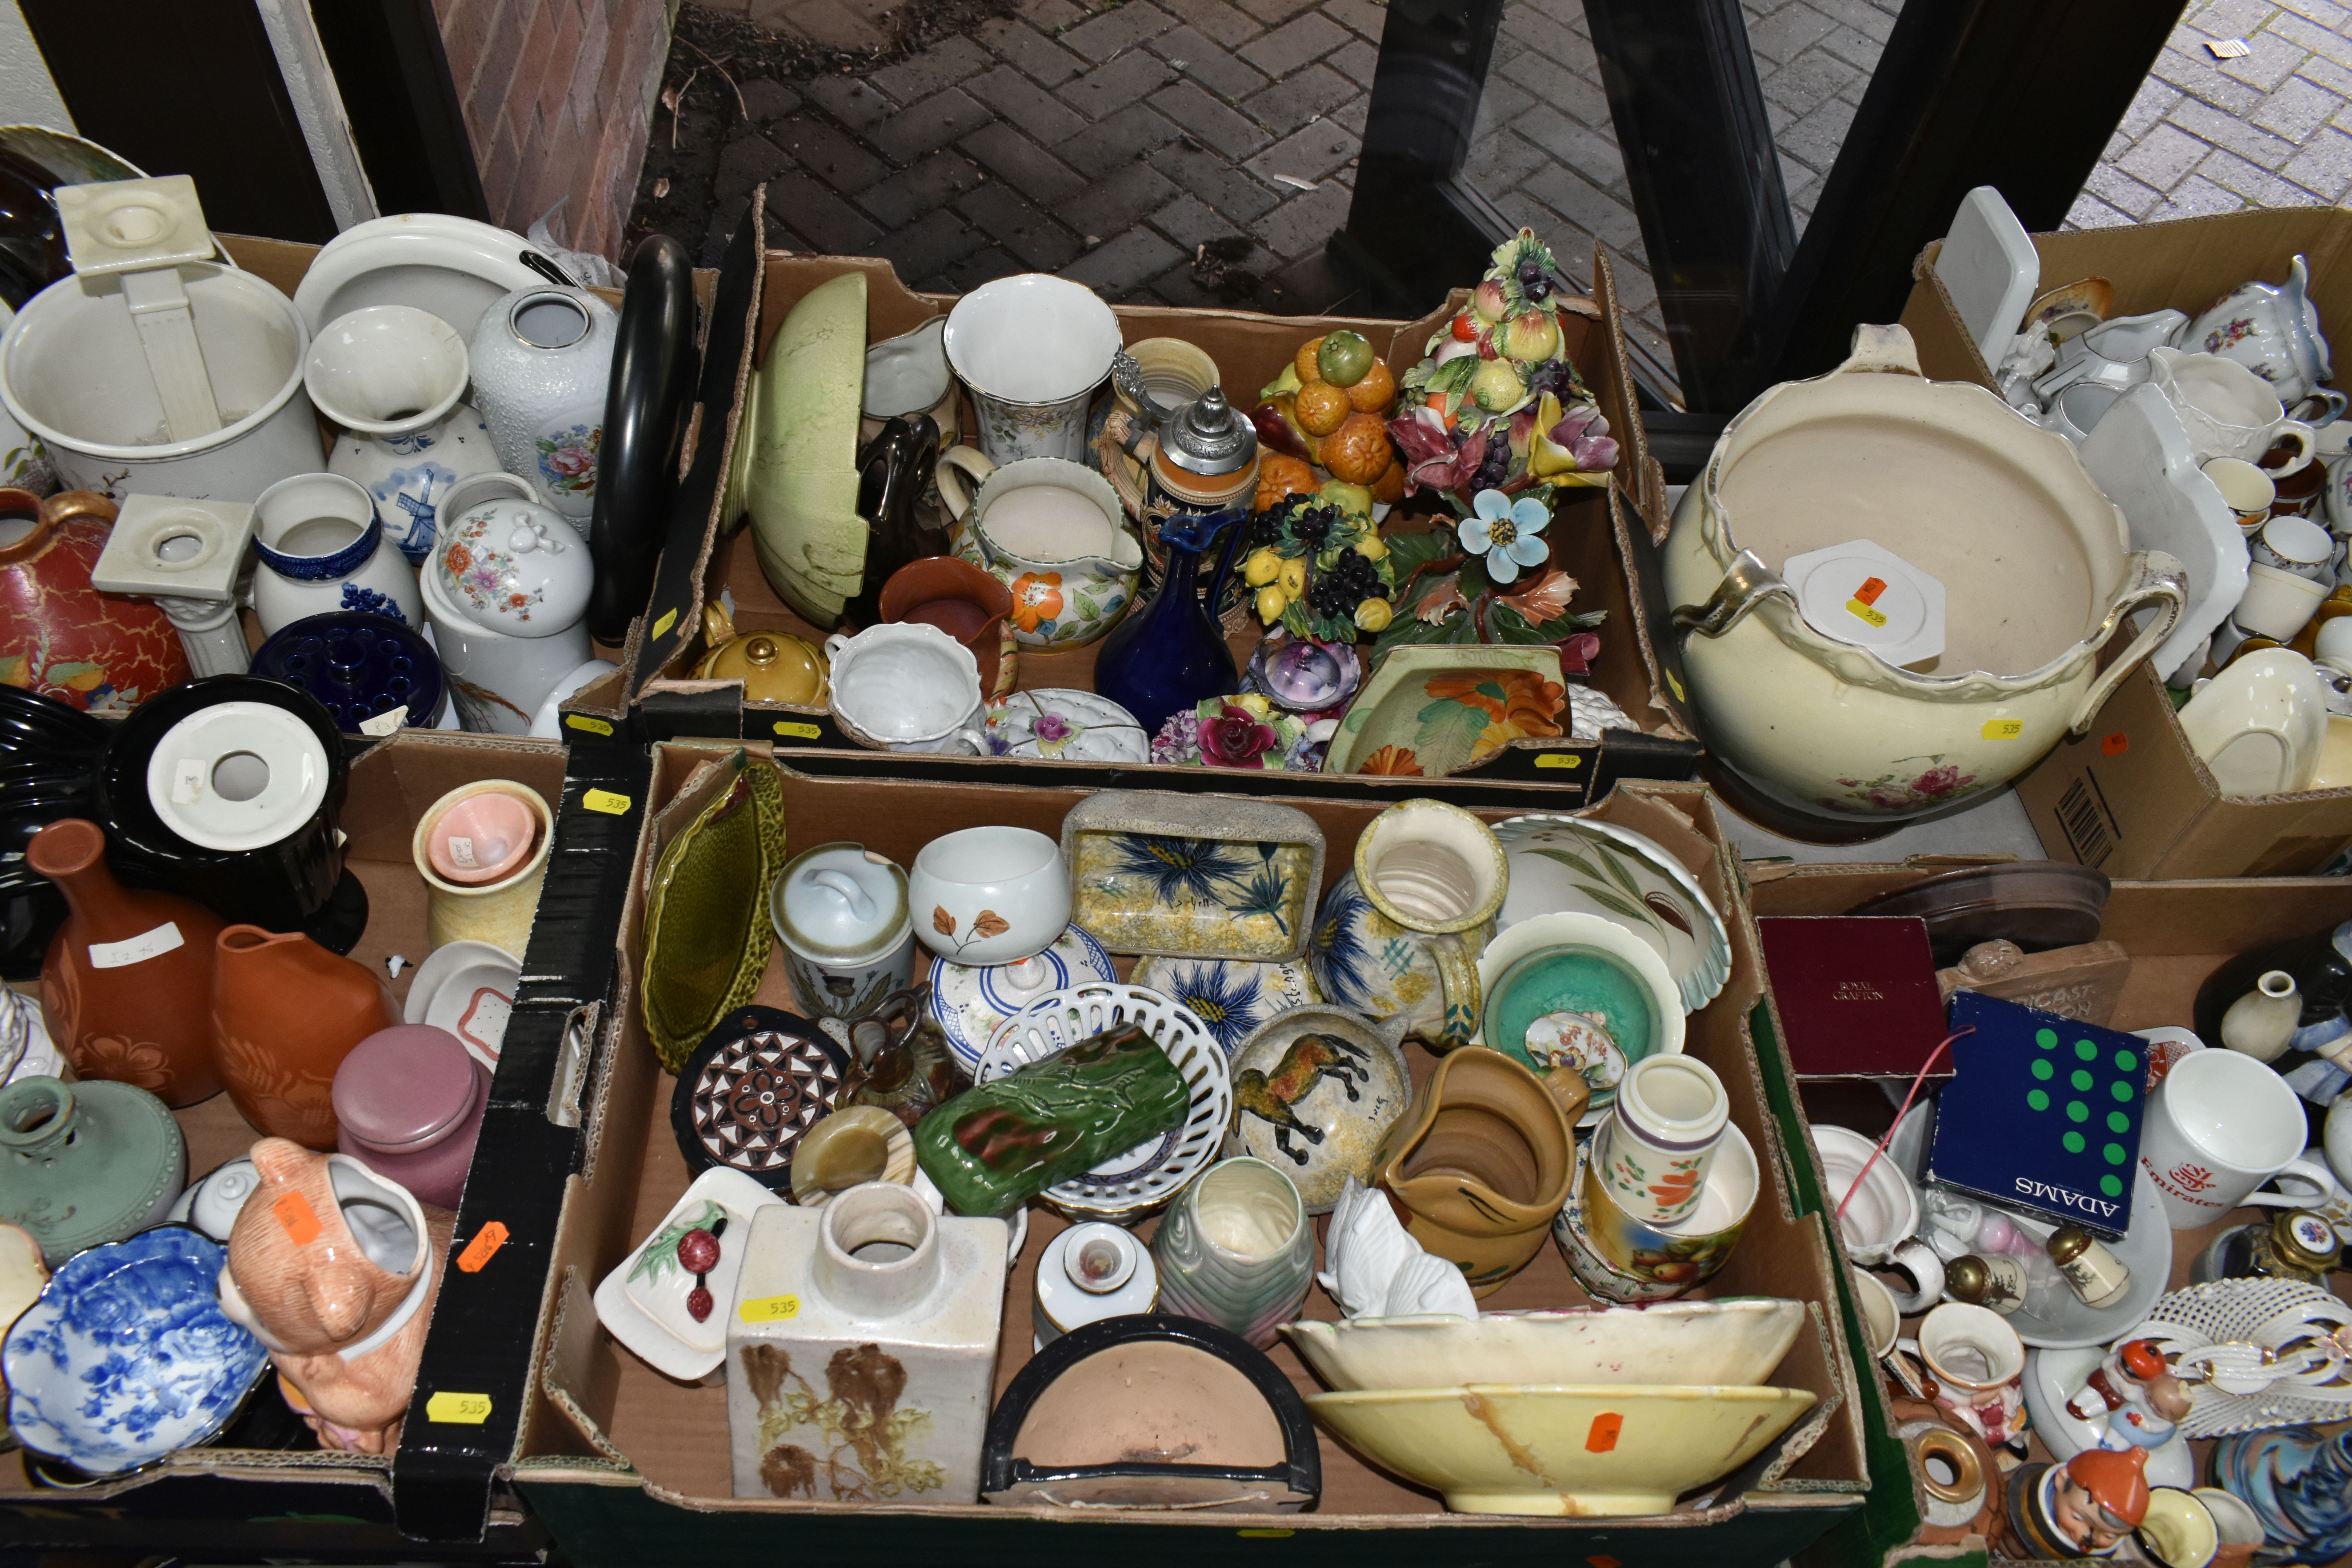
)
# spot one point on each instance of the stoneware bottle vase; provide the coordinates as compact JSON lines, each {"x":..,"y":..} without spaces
{"x":286,"y":1011}
{"x":86,"y":1164}
{"x":127,"y":987}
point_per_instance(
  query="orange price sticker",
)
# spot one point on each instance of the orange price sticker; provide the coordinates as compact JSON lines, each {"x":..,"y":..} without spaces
{"x":483,"y":1247}
{"x":1870,"y":590}
{"x":2115,"y":746}
{"x":1603,"y":1438}
{"x":1604,"y":1561}
{"x":293,"y":1211}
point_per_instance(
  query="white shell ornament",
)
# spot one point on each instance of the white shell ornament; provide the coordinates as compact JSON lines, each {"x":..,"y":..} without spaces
{"x":1376,"y":1270}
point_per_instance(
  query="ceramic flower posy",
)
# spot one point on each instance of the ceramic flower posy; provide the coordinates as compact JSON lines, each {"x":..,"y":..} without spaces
{"x":1245,"y":732}
{"x":1507,"y":534}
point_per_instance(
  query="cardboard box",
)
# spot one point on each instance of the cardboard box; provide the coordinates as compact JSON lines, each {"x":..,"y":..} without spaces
{"x":235,"y":1503}
{"x":2130,"y":798}
{"x":2177,"y":933}
{"x":627,"y":1467}
{"x":1595,"y":537}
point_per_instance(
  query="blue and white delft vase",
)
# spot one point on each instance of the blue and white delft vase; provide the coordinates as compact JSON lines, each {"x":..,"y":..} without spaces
{"x":319,"y":542}
{"x":127,"y":1356}
{"x":408,"y":474}
{"x":541,"y":359}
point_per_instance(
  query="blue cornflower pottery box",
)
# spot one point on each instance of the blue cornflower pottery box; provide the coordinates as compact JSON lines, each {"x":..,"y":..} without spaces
{"x":626,"y":1466}
{"x":710,"y":561}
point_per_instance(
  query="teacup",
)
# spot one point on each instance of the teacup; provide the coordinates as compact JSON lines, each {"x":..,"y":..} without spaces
{"x":2302,"y":493}
{"x":1618,"y":1258}
{"x":2220,"y":1125}
{"x":1977,"y":1364}
{"x":2228,"y":410}
{"x":1053,"y":533}
{"x":2307,"y":1181}
{"x":2295,"y":545}
{"x":961,"y":600}
{"x":2276,"y":604}
{"x":906,"y":687}
{"x":990,"y":895}
{"x":2247,"y":491}
{"x":2236,"y":1523}
{"x":910,"y":374}
{"x":1032,"y":348}
{"x":1881,"y":1211}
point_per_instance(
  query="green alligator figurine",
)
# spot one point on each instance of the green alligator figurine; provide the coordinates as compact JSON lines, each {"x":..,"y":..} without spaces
{"x":991,"y":1149}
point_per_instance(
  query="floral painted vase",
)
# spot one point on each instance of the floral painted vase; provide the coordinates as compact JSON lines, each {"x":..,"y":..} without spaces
{"x":1399,"y":933}
{"x":407,"y":476}
{"x":101,"y":653}
{"x":541,"y":360}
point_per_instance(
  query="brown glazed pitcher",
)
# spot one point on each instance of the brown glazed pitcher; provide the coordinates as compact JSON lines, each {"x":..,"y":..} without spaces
{"x":286,"y":1011}
{"x":1480,"y":1161}
{"x":127,"y":986}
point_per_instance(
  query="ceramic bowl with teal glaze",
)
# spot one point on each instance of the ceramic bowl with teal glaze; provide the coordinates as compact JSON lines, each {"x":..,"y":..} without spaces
{"x":1578,"y":991}
{"x":127,"y":1356}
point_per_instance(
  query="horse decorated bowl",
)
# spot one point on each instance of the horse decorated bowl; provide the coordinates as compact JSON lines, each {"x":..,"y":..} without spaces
{"x":1315,"y":1091}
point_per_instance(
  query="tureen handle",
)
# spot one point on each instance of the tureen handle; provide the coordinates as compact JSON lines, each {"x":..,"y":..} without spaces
{"x":2157,"y":580}
{"x":1747,"y":584}
{"x":1888,"y":348}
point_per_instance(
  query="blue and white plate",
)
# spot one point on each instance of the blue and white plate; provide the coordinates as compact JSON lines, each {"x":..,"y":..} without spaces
{"x":127,"y":1355}
{"x":971,"y":1000}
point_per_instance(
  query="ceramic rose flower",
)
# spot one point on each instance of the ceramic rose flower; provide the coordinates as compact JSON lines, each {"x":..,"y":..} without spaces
{"x":1235,"y":737}
{"x":1508,"y":533}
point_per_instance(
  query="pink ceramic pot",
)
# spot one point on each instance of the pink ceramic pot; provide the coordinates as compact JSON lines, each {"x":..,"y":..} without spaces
{"x":481,"y":838}
{"x":410,"y":1100}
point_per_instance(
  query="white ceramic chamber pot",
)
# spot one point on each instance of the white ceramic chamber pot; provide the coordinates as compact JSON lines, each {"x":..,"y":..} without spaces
{"x":990,"y":895}
{"x":501,"y":656}
{"x":1881,"y":1214}
{"x":73,"y":371}
{"x":907,"y":686}
{"x":2228,"y":410}
{"x":2220,"y":1125}
{"x":1948,"y":478}
{"x":1033,"y":348}
{"x":321,"y":546}
{"x":542,"y":359}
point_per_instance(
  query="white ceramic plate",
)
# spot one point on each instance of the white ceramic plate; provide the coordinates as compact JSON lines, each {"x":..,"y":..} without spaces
{"x":454,"y":266}
{"x":1127,"y":1186}
{"x":1090,"y":729}
{"x":2052,"y":1376}
{"x":468,"y":988}
{"x":1567,"y":863}
{"x":970,"y":1001}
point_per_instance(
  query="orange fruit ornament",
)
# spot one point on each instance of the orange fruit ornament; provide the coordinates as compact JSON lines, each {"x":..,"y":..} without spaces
{"x":1390,"y":486}
{"x":1320,"y":407}
{"x":1279,"y":476}
{"x":1306,"y":364}
{"x":1376,"y":391}
{"x":1359,"y":450}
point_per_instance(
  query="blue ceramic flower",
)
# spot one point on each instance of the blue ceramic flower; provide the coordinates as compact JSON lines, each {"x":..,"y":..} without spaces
{"x":127,"y":1355}
{"x":1506,"y":532}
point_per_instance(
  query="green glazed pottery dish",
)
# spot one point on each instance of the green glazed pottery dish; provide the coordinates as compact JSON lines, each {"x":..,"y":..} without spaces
{"x":706,"y":933}
{"x":1578,"y":991}
{"x":1577,"y":865}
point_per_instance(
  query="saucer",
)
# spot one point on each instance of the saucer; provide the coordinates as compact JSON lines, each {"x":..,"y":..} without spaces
{"x":970,"y":1001}
{"x":1066,"y":725}
{"x":468,"y":988}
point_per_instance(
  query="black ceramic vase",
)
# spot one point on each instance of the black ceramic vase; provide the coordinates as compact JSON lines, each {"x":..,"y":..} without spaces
{"x":644,"y":418}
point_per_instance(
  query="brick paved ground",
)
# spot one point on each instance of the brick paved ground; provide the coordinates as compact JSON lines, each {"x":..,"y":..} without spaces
{"x":1111,"y":140}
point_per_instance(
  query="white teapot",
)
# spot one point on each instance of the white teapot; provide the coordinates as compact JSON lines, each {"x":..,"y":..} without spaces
{"x":2273,"y":329}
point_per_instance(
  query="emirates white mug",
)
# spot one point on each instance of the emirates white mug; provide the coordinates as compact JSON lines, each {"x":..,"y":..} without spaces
{"x":2220,"y":1125}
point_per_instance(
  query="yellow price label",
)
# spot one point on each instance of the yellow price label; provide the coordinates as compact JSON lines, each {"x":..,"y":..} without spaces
{"x":605,"y":800}
{"x":1675,"y":685}
{"x":1559,"y":760}
{"x":770,"y":1309}
{"x":1863,"y":612}
{"x":2003,"y":729}
{"x":583,"y":721}
{"x":668,"y":619}
{"x":458,"y":1409}
{"x":798,"y":731}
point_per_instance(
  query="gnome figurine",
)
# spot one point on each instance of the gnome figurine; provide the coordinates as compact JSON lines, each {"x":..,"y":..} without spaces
{"x":334,"y":1270}
{"x":2083,"y":1508}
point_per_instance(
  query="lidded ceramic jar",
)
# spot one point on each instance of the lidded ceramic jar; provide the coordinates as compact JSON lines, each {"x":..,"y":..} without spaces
{"x":409,"y":1101}
{"x":86,"y":1164}
{"x":542,"y":359}
{"x":848,"y":933}
{"x":2032,"y":557}
{"x":507,"y":594}
{"x":1206,"y":455}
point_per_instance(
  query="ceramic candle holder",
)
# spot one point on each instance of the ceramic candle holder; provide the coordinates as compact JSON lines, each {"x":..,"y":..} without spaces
{"x":1236,"y":1249}
{"x":497,"y":911}
{"x":1657,"y":1144}
{"x":907,"y":688}
{"x":990,"y":895}
{"x":1090,"y":1272}
{"x":1033,"y":348}
{"x":319,"y":544}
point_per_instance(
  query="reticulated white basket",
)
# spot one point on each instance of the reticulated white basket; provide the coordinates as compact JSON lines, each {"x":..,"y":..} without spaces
{"x":1126,"y":1187}
{"x":2307,"y":1331}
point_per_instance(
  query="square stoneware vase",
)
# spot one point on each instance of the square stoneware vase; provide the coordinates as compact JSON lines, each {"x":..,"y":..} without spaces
{"x":861,"y":1350}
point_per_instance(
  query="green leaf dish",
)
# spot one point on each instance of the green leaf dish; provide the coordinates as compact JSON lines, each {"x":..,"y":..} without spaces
{"x":707,"y":935}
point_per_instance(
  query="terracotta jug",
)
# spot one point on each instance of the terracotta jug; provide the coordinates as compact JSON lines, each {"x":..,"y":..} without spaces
{"x":335,"y":1268}
{"x":59,"y":636}
{"x":286,"y":1011}
{"x":1481,"y":1162}
{"x":127,"y":987}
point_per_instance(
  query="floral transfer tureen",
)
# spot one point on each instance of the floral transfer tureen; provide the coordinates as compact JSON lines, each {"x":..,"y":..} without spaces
{"x":2030,"y":554}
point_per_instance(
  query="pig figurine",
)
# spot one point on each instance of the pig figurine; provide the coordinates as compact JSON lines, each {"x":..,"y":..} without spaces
{"x":334,"y":1268}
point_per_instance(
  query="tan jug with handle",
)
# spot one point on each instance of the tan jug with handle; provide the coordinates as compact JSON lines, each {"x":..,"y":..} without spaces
{"x":1481,"y":1161}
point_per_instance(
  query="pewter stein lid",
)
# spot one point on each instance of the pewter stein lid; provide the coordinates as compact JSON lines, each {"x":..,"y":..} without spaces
{"x":1208,"y":436}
